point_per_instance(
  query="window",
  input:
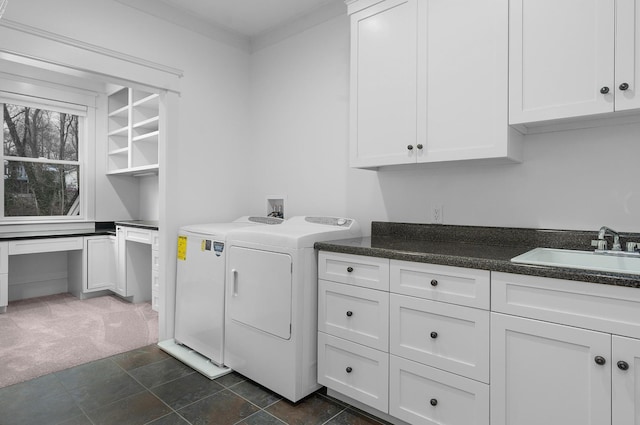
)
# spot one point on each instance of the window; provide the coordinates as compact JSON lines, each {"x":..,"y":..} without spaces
{"x":41,"y":154}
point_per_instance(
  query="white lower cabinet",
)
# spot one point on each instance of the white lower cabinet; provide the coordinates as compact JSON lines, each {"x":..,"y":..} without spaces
{"x":424,"y":395}
{"x":101,"y":252}
{"x":402,"y":351}
{"x":564,"y":352}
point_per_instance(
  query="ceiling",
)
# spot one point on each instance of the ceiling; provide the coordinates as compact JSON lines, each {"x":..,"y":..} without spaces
{"x":244,"y":18}
{"x":249,"y":17}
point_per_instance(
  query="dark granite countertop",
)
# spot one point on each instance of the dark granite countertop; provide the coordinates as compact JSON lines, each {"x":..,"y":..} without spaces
{"x":141,"y":224}
{"x":101,"y":229}
{"x":484,"y":248}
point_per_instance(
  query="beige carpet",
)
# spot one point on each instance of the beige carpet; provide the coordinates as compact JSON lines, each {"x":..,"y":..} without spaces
{"x":48,"y":334}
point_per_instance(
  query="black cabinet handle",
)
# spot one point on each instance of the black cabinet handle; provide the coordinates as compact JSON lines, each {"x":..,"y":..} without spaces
{"x":600,"y":360}
{"x":624,"y":86}
{"x":434,"y":335}
{"x":433,"y":402}
{"x":349,"y":313}
{"x":419,"y":146}
{"x":410,"y":147}
{"x":349,"y":269}
{"x":604,"y":90}
{"x":434,"y":282}
{"x":349,"y":369}
{"x":622,"y":365}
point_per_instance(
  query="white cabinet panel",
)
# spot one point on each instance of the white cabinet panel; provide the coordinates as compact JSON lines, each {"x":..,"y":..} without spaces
{"x":34,"y":246}
{"x":545,"y":373}
{"x":357,"y":314}
{"x":423,"y":395}
{"x":606,"y":308}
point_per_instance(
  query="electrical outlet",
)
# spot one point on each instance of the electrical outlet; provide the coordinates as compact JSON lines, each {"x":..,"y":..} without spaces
{"x":436,"y":214}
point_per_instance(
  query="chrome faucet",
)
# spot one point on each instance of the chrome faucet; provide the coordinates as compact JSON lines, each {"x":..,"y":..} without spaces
{"x":604,"y":231}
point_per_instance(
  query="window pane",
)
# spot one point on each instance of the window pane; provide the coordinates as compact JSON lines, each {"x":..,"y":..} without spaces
{"x":32,"y":189}
{"x":38,"y":133}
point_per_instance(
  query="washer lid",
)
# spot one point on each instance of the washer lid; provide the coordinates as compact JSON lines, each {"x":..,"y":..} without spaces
{"x":297,"y":232}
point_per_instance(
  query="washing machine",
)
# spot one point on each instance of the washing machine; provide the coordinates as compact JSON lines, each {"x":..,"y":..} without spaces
{"x":199,"y":316}
{"x":272,"y":301}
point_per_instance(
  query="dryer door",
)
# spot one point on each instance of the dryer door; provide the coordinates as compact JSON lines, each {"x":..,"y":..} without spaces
{"x":259,"y":285}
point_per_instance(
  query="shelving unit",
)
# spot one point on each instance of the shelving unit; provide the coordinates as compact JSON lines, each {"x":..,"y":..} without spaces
{"x":134,"y":117}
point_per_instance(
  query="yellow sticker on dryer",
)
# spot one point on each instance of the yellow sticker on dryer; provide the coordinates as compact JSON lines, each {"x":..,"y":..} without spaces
{"x":182,"y":248}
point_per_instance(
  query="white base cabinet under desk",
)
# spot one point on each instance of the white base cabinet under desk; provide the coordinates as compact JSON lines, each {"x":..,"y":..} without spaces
{"x":138,"y":264}
{"x":92,"y":271}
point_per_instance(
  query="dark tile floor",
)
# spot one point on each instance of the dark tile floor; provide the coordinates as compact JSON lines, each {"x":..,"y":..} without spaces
{"x":147,"y":386}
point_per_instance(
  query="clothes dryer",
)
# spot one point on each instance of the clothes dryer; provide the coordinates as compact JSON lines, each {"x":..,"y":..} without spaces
{"x":199,"y":316}
{"x":272,"y":298}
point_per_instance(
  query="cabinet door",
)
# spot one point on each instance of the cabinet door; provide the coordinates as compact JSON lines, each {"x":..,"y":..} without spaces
{"x":384,"y":78}
{"x":627,"y":54}
{"x":467,"y":79}
{"x":101,"y":263}
{"x":625,"y":366}
{"x":561,"y":53}
{"x":543,"y":373}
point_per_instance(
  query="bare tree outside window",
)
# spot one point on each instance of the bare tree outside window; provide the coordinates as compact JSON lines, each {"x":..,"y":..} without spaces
{"x":41,"y":166}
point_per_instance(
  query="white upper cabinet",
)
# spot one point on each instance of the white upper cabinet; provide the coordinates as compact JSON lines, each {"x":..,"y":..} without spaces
{"x":384,"y":84}
{"x":429,"y":81}
{"x":570,"y":59}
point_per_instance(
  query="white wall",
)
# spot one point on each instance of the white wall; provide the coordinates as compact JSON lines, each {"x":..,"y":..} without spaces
{"x":579,"y":179}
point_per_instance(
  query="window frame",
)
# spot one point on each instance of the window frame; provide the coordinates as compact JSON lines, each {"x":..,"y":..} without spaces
{"x":26,"y":92}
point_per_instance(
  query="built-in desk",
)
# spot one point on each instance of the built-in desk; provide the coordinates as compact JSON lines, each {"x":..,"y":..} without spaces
{"x":124,"y":262}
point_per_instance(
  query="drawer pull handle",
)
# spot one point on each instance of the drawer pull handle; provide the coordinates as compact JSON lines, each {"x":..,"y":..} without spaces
{"x":434,"y":282}
{"x":433,"y":402}
{"x":349,"y":269}
{"x":349,"y":313}
{"x":349,"y":369}
{"x":434,"y":335}
{"x":622,"y":365}
{"x":600,"y":360}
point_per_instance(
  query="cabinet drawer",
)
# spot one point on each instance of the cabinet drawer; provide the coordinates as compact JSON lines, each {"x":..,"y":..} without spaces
{"x":369,"y":272}
{"x":137,"y":235}
{"x":441,"y":335}
{"x":357,"y":314}
{"x":605,"y":308}
{"x":354,"y":370}
{"x":33,"y":246}
{"x":423,"y":395}
{"x":454,"y":285}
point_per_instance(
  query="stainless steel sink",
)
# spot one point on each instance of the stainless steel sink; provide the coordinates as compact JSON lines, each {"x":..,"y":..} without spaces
{"x":587,"y":260}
